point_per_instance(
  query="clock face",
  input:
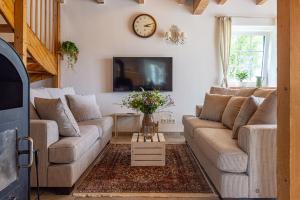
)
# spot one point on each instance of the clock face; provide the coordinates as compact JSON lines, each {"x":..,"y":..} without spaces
{"x":144,"y":25}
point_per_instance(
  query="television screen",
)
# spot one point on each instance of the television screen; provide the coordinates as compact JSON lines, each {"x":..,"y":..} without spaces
{"x":134,"y":73}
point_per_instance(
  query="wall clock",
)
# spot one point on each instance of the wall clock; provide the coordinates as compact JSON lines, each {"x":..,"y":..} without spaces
{"x":144,"y":25}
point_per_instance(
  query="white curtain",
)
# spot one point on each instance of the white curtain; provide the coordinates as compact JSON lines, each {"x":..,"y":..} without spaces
{"x":225,"y":26}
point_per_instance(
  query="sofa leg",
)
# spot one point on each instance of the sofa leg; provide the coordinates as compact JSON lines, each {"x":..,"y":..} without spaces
{"x":63,"y":190}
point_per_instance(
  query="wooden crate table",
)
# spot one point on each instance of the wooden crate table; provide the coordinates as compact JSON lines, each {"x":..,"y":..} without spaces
{"x":150,"y":152}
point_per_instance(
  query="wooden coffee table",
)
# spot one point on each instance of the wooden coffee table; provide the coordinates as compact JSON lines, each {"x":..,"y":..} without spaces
{"x":150,"y":152}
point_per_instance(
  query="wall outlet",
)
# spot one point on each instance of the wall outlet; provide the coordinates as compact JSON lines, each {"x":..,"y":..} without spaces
{"x":167,"y":121}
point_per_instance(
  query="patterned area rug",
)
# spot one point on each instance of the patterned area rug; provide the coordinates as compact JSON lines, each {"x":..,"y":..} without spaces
{"x":113,"y":174}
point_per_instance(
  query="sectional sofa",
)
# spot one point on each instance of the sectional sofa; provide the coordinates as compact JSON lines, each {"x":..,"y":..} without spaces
{"x":238,"y":168}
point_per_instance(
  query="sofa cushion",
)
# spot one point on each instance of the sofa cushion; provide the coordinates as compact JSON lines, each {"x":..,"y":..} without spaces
{"x":266,"y":113}
{"x":218,"y":146}
{"x":191,"y":123}
{"x":222,"y":91}
{"x":84,"y":107}
{"x":60,"y":93}
{"x":40,"y":93}
{"x":55,"y":109}
{"x":33,"y":113}
{"x":104,"y":124}
{"x":243,"y":92}
{"x":232,"y":110}
{"x":263,"y":92}
{"x":69,"y":149}
{"x":248,"y":108}
{"x":214,"y":106}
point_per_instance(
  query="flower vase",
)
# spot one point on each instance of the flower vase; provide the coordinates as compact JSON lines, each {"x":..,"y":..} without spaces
{"x":148,"y":126}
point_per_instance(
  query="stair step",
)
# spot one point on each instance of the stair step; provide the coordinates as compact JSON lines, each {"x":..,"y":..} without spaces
{"x":5,"y":28}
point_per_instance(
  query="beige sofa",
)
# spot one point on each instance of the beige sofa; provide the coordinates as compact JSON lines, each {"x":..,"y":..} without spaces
{"x":243,"y":168}
{"x":62,"y":160}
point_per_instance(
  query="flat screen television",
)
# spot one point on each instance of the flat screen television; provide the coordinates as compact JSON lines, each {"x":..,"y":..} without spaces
{"x":149,"y":73}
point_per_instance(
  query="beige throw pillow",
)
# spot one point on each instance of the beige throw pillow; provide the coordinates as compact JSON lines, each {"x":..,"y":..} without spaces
{"x":248,"y":108}
{"x":33,"y":113}
{"x":263,"y":92}
{"x":232,"y":110}
{"x":56,"y":110}
{"x":266,"y":113}
{"x":84,"y":107}
{"x":214,"y":106}
{"x":242,"y":92}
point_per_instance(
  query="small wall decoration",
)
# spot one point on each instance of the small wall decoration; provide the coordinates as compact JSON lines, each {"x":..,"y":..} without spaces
{"x":70,"y":49}
{"x":175,"y":36}
{"x":144,"y":25}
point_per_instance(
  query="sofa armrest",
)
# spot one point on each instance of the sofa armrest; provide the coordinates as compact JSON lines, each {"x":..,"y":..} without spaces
{"x":44,"y":133}
{"x":259,"y":142}
{"x":198,"y":110}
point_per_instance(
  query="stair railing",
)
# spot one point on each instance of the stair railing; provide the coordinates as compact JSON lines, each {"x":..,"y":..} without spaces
{"x":43,"y":17}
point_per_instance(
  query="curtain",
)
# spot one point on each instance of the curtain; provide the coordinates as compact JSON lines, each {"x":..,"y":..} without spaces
{"x":225,"y":26}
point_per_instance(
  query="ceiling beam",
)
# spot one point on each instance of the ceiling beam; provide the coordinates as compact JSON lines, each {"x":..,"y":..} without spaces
{"x":222,"y":2}
{"x":100,"y":1}
{"x":199,"y":6}
{"x":141,"y":1}
{"x":260,"y":2}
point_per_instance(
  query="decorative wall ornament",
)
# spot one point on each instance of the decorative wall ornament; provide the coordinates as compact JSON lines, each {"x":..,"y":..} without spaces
{"x":175,"y":36}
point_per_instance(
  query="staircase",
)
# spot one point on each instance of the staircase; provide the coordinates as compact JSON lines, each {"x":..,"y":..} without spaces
{"x":36,"y":35}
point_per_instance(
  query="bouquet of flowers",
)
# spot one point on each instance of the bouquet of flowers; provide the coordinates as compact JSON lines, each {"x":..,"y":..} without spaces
{"x":147,"y":102}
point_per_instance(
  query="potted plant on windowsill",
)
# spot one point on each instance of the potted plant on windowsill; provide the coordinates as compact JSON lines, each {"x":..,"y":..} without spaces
{"x":241,"y":76}
{"x":70,"y":49}
{"x":147,"y":102}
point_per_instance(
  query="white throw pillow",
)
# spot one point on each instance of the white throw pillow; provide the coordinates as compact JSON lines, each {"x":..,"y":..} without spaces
{"x":84,"y":107}
{"x":56,"y":110}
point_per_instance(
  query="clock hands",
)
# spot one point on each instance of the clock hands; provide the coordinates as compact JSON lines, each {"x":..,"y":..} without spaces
{"x":148,"y":25}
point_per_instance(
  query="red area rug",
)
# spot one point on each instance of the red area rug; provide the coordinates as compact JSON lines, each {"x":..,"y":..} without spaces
{"x":113,"y":174}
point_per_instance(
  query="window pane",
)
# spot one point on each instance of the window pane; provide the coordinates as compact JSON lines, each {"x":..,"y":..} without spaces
{"x":247,"y":52}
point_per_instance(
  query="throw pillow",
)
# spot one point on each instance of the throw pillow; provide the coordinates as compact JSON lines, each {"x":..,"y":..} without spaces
{"x":84,"y":107}
{"x":214,"y":106}
{"x":222,"y":91}
{"x":56,"y":110}
{"x":245,"y":92}
{"x":247,"y":110}
{"x":33,"y":113}
{"x":266,"y":113}
{"x":232,"y":110}
{"x":263,"y":92}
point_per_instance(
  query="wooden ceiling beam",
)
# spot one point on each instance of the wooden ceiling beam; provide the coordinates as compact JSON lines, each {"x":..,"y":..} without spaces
{"x":200,"y":6}
{"x":260,"y":2}
{"x":100,"y":1}
{"x":222,"y":2}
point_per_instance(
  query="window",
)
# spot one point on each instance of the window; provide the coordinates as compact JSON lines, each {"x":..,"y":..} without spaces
{"x":253,"y":51}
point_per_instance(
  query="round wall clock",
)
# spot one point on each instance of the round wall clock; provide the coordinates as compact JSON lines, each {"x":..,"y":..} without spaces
{"x":144,"y":25}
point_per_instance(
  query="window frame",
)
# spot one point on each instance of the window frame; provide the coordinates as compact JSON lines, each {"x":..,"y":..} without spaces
{"x":269,"y":33}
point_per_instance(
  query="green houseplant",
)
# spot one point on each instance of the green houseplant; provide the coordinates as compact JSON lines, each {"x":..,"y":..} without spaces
{"x":242,"y":75}
{"x":70,"y":49}
{"x":147,"y":102}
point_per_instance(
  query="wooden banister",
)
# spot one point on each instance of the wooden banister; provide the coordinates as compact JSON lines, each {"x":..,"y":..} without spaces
{"x":40,"y":36}
{"x":21,"y":29}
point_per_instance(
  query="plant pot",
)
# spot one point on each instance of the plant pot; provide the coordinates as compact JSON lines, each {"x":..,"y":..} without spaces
{"x":243,"y":84}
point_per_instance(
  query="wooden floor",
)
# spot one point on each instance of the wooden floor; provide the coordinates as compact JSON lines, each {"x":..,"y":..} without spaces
{"x":122,"y":139}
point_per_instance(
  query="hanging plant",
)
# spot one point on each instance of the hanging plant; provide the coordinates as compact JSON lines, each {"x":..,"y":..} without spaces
{"x":70,"y":49}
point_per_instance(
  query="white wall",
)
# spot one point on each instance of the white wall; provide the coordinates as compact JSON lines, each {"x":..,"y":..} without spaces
{"x":104,"y":31}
